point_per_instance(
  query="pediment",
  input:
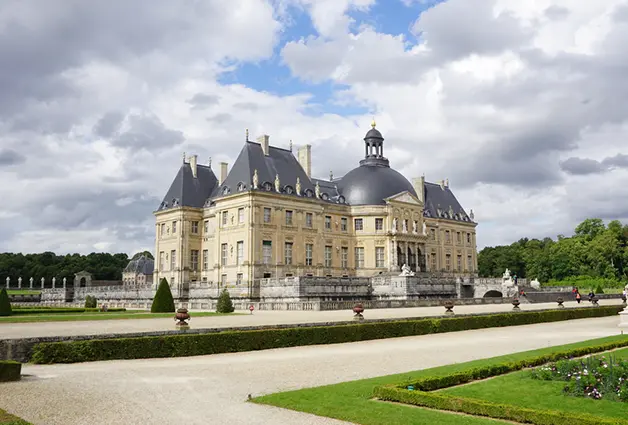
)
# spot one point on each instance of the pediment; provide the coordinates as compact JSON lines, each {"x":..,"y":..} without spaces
{"x":405,"y":197}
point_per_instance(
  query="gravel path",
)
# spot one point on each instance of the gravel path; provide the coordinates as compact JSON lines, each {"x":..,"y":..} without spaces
{"x":39,"y":329}
{"x":213,"y":389}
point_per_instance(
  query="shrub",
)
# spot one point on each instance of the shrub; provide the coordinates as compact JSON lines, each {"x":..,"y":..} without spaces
{"x":238,"y":341}
{"x":224,"y":304}
{"x":599,"y":290}
{"x":587,"y":282}
{"x":10,"y":370}
{"x":5,"y":303}
{"x":163,"y":301}
{"x":91,"y":302}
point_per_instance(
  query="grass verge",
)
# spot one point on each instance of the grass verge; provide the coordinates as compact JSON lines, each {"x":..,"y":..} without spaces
{"x":353,"y":402}
{"x":76,"y":317}
{"x":9,"y":419}
{"x":23,"y":292}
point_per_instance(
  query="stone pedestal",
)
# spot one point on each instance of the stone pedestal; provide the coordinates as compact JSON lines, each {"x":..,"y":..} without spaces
{"x":623,"y":320}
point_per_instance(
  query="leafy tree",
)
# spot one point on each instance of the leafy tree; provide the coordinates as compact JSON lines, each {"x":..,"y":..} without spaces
{"x":163,"y":301}
{"x":5,"y":303}
{"x":91,"y":302}
{"x":224,"y":304}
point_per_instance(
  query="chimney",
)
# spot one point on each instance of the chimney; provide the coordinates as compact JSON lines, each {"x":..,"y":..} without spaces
{"x":419,"y":185}
{"x":224,"y":168}
{"x":304,"y":156}
{"x":193,"y":160}
{"x":264,"y":141}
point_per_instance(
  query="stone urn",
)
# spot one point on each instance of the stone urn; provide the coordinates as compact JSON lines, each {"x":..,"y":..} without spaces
{"x":449,"y":307}
{"x":560,"y":302}
{"x":515,"y":304}
{"x":182,"y":317}
{"x":358,"y":309}
{"x":624,"y":300}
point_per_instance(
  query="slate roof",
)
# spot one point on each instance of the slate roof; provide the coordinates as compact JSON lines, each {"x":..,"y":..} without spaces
{"x":441,"y":203}
{"x":278,"y":161}
{"x":142,"y":265}
{"x":189,"y":191}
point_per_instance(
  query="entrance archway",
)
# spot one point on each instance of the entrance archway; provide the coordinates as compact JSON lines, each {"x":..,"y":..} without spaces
{"x":493,"y":294}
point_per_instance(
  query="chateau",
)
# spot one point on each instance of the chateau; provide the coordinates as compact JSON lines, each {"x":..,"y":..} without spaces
{"x":266,"y":217}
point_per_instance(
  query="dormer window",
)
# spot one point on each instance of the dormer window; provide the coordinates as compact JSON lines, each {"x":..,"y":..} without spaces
{"x":309,"y":193}
{"x":268,"y":186}
{"x":325,"y":196}
{"x":241,"y":187}
{"x":225,"y":190}
{"x":288,"y":190}
{"x":341,"y":199}
{"x":175,"y":202}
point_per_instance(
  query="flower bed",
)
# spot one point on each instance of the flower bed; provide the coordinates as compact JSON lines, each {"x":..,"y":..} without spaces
{"x":592,"y":377}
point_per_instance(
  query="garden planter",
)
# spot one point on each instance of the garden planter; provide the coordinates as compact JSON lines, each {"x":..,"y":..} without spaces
{"x":560,"y":302}
{"x":182,"y":317}
{"x":358,"y":310}
{"x":449,"y":307}
{"x":515,"y":304}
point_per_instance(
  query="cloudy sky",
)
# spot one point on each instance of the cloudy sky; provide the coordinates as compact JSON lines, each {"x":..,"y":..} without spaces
{"x":521,"y":104}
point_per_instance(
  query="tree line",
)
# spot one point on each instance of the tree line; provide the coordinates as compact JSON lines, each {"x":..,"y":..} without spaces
{"x":102,"y":266}
{"x":595,"y":250}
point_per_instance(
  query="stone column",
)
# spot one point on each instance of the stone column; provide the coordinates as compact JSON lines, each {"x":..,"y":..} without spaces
{"x":8,"y":280}
{"x":42,"y":282}
{"x":30,"y":281}
{"x":393,"y":255}
{"x":416,"y":254}
{"x":54,"y":280}
{"x":19,"y":283}
{"x":64,"y":283}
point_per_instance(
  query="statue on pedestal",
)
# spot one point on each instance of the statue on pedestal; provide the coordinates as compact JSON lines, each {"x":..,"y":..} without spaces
{"x":255,"y":179}
{"x":19,"y":282}
{"x":406,"y":271}
{"x":54,"y":279}
{"x":8,"y":281}
{"x":31,"y":282}
{"x":42,"y":282}
{"x":424,"y":228}
{"x":64,"y":282}
{"x":298,"y":186}
{"x":415,"y":227}
{"x":277,"y":184}
{"x":317,"y":190}
{"x":404,"y":226}
{"x":394,"y":225}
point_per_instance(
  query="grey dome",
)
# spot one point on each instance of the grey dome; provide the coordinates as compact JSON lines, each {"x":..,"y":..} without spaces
{"x":373,"y":133}
{"x":371,"y":184}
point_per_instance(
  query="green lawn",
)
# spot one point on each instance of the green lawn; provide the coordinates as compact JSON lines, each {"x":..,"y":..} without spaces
{"x":23,"y":292}
{"x":76,"y":317}
{"x":520,"y":389}
{"x":352,"y":401}
{"x":9,"y":419}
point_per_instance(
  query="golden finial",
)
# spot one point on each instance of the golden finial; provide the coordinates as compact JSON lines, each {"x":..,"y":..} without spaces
{"x":247,"y":134}
{"x":373,"y":124}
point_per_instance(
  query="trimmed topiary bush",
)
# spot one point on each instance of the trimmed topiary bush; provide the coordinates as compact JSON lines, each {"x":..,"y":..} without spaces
{"x":599,"y":290}
{"x":224,"y":304}
{"x":163,"y":301}
{"x":5,"y":303}
{"x":90,"y":302}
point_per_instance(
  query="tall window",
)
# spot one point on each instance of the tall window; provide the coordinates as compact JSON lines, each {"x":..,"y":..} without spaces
{"x":194,"y":260}
{"x":459,"y":263}
{"x":328,"y":255}
{"x":223,"y":254}
{"x":448,"y":262}
{"x":379,"y":256}
{"x":239,"y":279}
{"x":288,"y":253}
{"x":359,"y":257}
{"x":469,"y":263}
{"x":308,"y":219}
{"x":343,"y":224}
{"x":206,"y":227}
{"x":447,"y":236}
{"x":288,"y":218}
{"x":173,"y":259}
{"x":406,"y":223}
{"x":458,"y":237}
{"x":195,"y":227}
{"x":468,"y":237}
{"x":327,"y":222}
{"x":267,"y":215}
{"x":433,"y":234}
{"x":344,"y":257}
{"x":174,"y":227}
{"x":205,"y":259}
{"x":162,"y":229}
{"x":267,"y":252}
{"x":309,"y":253}
{"x":161,"y":260}
{"x":379,"y":224}
{"x":225,"y":216}
{"x":240,"y":215}
{"x":240,"y":258}
{"x":223,"y":280}
{"x":433,"y":261}
{"x":358,"y":223}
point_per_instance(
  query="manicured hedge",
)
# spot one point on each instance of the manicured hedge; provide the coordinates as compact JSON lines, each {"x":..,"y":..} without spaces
{"x":440,"y":401}
{"x":10,"y":370}
{"x":22,"y":311}
{"x":236,"y":341}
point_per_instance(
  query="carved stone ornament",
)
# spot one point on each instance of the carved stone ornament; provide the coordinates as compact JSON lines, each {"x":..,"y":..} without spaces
{"x":414,"y":227}
{"x":277,"y":183}
{"x":255,"y":179}
{"x":298,"y":186}
{"x":317,"y":190}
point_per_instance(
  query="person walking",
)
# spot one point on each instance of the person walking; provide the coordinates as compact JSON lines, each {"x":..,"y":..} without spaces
{"x":578,"y":297}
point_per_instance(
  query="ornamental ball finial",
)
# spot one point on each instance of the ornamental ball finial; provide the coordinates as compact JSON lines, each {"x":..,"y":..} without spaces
{"x":373,"y":124}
